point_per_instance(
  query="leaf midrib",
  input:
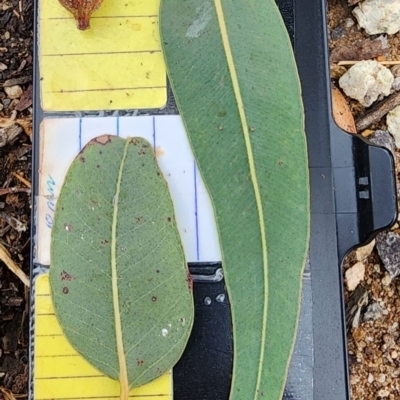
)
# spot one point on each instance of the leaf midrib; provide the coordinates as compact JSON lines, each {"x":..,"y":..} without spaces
{"x":123,"y":373}
{"x":253,"y":174}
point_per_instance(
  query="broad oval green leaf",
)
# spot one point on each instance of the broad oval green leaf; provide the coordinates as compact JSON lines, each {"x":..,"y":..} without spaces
{"x":118,"y":275}
{"x":234,"y":77}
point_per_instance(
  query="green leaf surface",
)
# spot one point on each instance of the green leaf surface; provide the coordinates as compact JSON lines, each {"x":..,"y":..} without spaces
{"x":118,"y":276}
{"x":234,"y":77}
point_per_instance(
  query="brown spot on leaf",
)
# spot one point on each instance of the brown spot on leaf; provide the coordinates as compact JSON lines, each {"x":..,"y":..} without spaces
{"x":65,"y":276}
{"x":154,"y":299}
{"x":104,"y":241}
{"x":141,"y":152}
{"x":139,"y":219}
{"x":98,"y":166}
{"x":139,"y":362}
{"x":68,"y":227}
{"x":135,"y":141}
{"x":82,"y":159}
{"x":65,"y":290}
{"x":103,"y":139}
{"x":189,"y":279}
{"x":158,"y":271}
{"x":159,"y":151}
{"x":169,"y":219}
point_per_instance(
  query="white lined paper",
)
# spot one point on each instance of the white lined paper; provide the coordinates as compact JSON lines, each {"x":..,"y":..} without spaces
{"x":61,"y":140}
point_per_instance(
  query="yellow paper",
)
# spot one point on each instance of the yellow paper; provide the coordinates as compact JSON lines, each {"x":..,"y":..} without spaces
{"x":61,"y":373}
{"x":116,"y":64}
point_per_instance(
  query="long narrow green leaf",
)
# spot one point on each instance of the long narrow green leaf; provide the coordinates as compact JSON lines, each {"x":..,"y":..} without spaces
{"x":118,"y":275}
{"x":234,"y":77}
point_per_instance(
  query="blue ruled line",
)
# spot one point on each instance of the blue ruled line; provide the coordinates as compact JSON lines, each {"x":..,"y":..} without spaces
{"x":80,"y":134}
{"x":154,"y":133}
{"x":196,"y":211}
{"x":117,"y":126}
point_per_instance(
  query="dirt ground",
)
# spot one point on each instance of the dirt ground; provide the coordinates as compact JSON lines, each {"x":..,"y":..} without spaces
{"x":374,"y":350}
{"x":16,"y":39}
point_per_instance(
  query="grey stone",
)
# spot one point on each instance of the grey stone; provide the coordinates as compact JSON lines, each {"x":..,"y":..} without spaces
{"x":373,"y":312}
{"x":388,"y":246}
{"x":384,"y":139}
{"x":338,"y":32}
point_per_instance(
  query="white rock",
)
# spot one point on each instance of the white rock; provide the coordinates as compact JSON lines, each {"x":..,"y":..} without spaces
{"x":386,"y":280}
{"x":383,"y":393}
{"x":14,"y":92}
{"x":393,"y":124}
{"x":366,"y":81}
{"x":349,"y":22}
{"x":363,"y":252}
{"x":355,"y":275}
{"x":378,"y":16}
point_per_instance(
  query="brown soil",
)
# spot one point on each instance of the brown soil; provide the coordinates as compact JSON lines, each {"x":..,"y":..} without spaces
{"x":16,"y":40}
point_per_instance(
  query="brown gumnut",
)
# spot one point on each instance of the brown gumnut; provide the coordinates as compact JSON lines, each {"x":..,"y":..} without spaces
{"x":81,"y":10}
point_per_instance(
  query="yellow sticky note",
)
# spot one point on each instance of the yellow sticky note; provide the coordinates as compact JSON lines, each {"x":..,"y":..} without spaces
{"x":61,"y":373}
{"x":116,"y":64}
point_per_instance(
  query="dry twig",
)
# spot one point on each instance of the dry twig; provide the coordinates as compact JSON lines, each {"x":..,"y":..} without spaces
{"x":4,"y":191}
{"x":13,"y":222}
{"x":378,"y":111}
{"x":8,"y":395}
{"x":22,"y":179}
{"x":13,"y":267}
{"x":380,"y":62}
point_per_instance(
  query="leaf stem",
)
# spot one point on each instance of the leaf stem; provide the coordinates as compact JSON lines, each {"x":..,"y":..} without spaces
{"x":123,"y":373}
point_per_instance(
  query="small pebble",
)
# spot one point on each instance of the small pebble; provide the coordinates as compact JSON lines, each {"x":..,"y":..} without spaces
{"x":374,"y":311}
{"x":377,"y":268}
{"x":366,"y":80}
{"x":383,"y":393}
{"x":355,"y":275}
{"x":14,"y":92}
{"x":338,"y":32}
{"x":349,"y":22}
{"x":363,"y":252}
{"x":394,"y":354}
{"x":395,"y":71}
{"x":386,"y":280}
{"x":354,"y":380}
{"x":370,"y":378}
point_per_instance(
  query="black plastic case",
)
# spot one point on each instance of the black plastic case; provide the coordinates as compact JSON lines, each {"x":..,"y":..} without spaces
{"x":353,"y":196}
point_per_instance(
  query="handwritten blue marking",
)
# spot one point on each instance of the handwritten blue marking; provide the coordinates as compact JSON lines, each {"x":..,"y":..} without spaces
{"x":51,"y":201}
{"x":117,"y":126}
